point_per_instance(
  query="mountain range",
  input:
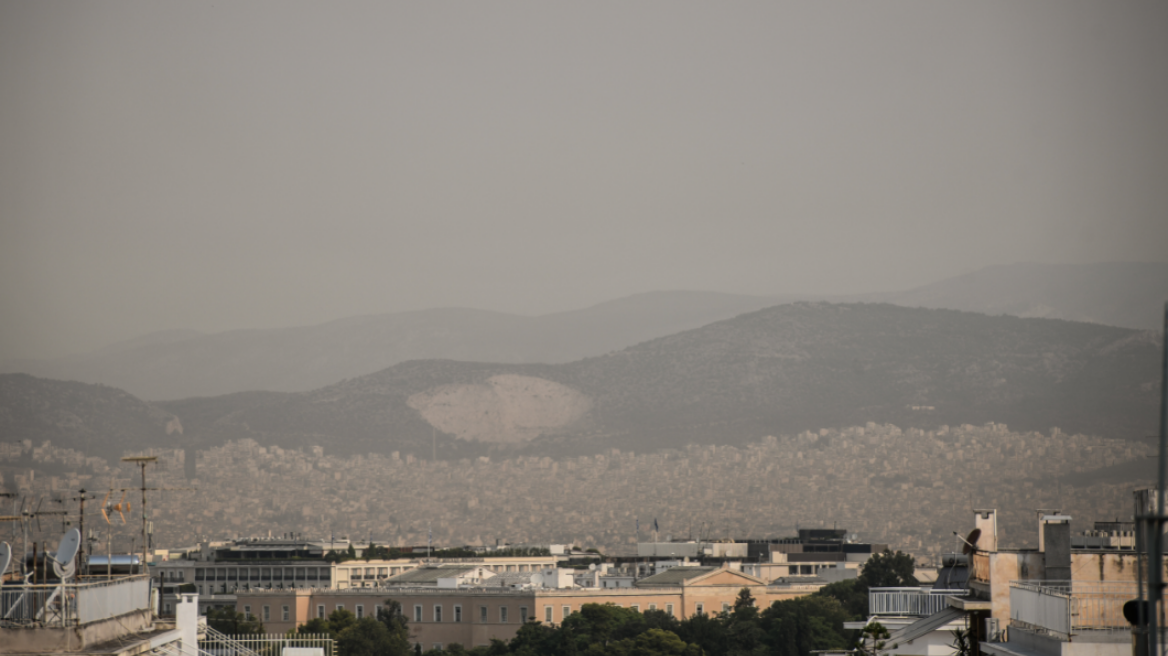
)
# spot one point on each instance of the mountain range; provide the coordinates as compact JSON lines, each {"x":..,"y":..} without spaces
{"x":776,"y":371}
{"x":181,"y":363}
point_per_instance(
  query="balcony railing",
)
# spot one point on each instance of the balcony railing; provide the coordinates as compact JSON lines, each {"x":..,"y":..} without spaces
{"x":908,"y":602}
{"x":1062,"y":608}
{"x":74,"y":603}
{"x":979,"y":567}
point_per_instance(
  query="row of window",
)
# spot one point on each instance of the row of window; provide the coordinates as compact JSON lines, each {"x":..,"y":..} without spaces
{"x":359,"y":610}
{"x":261,"y":574}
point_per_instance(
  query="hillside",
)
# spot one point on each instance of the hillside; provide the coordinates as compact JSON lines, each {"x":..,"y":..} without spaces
{"x":181,"y":364}
{"x":777,"y":371}
{"x":176,"y":365}
{"x":94,"y":419}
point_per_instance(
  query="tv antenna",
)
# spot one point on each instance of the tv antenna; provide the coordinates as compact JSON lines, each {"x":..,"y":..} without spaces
{"x":142,"y":461}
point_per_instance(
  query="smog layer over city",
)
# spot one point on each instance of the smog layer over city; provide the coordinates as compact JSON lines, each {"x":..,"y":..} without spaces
{"x":615,"y":285}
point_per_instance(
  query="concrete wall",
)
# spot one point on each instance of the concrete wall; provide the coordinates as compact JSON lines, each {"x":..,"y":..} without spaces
{"x":49,"y":640}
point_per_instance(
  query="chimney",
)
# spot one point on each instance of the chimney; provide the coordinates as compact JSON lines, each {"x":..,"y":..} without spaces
{"x":987,"y":521}
{"x":1043,"y":513}
{"x":1056,"y":535}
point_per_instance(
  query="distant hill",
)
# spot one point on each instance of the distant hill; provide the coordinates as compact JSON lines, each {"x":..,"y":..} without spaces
{"x":1127,"y":294}
{"x":94,"y":419}
{"x":777,"y":371}
{"x":178,"y":365}
{"x":181,"y":364}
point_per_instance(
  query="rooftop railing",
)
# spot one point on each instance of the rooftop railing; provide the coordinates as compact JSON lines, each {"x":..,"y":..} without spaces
{"x":979,"y":567}
{"x":1062,"y":608}
{"x":72,"y":604}
{"x":908,"y":602}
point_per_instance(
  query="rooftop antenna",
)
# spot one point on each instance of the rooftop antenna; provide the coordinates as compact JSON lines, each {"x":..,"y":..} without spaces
{"x":141,"y":461}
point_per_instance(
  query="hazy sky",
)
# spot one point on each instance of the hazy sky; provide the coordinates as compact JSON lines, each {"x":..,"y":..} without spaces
{"x":255,"y":164}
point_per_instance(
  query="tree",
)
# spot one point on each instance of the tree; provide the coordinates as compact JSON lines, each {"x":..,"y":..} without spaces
{"x":796,"y":627}
{"x":962,"y":642}
{"x":888,"y":570}
{"x":231,"y":622}
{"x":366,"y":637}
{"x":744,"y":636}
{"x":708,"y":633}
{"x":873,"y":640}
{"x":851,"y":595}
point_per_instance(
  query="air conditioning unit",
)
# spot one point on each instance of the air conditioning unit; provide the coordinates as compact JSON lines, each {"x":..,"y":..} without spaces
{"x":993,"y":630}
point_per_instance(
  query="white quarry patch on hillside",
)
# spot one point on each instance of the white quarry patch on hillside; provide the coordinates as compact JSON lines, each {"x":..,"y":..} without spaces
{"x":506,"y":408}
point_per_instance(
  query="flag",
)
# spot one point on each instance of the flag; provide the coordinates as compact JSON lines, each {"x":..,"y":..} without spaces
{"x":655,"y":528}
{"x":638,"y":526}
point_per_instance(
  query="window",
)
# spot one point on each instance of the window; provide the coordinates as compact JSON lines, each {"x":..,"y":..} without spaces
{"x":166,"y":609}
{"x":547,"y":614}
{"x":267,"y":614}
{"x":360,"y":611}
{"x":636,"y":607}
{"x":320,"y":611}
{"x":247,"y":612}
{"x":523,"y":614}
{"x":482,"y":613}
{"x":700,"y":609}
{"x":725,"y":607}
{"x":417,"y":613}
{"x":377,"y":612}
{"x":502,"y":613}
{"x":652,"y":606}
{"x":437,"y":613}
{"x":458,"y":613}
{"x":669,"y":609}
{"x":438,"y":646}
{"x":566,"y":610}
{"x":285,"y":614}
{"x":340,"y":607}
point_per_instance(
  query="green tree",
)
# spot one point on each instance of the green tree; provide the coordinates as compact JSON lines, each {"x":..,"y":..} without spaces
{"x":231,"y":622}
{"x":852,"y":596}
{"x":654,"y":642}
{"x":744,"y":635}
{"x":796,"y":627}
{"x":365,"y":637}
{"x":873,"y":640}
{"x":888,"y":570}
{"x":708,"y":633}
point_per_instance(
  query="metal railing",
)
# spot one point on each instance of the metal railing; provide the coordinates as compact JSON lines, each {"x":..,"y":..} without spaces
{"x":909,"y":602}
{"x":1062,"y":608}
{"x":271,"y":644}
{"x":71,"y":604}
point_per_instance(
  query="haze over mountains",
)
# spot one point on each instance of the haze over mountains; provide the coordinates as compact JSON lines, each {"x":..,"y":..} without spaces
{"x":776,"y":371}
{"x":178,"y":364}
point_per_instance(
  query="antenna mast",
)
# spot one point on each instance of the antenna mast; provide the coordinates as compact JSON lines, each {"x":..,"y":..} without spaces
{"x":142,"y":461}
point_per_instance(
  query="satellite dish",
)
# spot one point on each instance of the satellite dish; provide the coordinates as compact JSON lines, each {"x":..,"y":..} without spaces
{"x":971,"y":542}
{"x":66,"y":551}
{"x":592,"y":567}
{"x":5,"y":559}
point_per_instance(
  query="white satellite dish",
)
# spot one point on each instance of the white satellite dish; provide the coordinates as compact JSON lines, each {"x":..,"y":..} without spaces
{"x":66,"y":551}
